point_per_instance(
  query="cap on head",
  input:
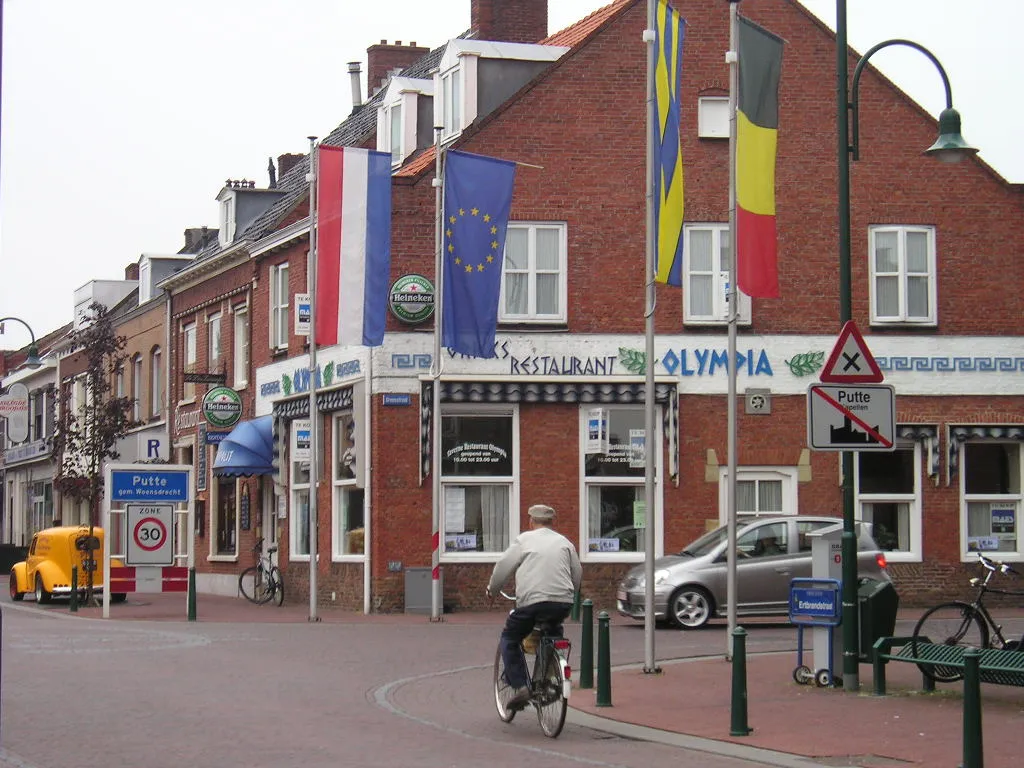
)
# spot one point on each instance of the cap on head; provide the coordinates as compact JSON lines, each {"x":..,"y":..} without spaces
{"x":541,"y":512}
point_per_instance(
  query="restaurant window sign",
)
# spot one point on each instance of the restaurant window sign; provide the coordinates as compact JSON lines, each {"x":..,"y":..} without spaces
{"x":476,"y":445}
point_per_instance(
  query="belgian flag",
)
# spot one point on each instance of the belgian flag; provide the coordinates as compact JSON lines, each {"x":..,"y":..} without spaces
{"x":757,"y":128}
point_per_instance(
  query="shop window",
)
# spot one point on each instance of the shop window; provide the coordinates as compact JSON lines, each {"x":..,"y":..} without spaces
{"x":888,"y":495}
{"x":479,"y":458}
{"x":224,"y":535}
{"x":348,"y":499}
{"x":614,"y":467}
{"x":990,"y":486}
{"x":760,"y":491}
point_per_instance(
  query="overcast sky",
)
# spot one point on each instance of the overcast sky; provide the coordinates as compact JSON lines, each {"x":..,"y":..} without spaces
{"x":121,"y":119}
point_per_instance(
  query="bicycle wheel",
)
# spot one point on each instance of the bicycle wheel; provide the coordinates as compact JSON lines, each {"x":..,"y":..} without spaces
{"x":502,"y":690}
{"x":278,"y":582}
{"x":549,"y":697}
{"x":253,"y":585}
{"x":952,"y":623}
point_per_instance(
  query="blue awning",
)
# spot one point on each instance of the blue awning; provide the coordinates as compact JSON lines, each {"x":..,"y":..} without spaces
{"x":248,"y":450}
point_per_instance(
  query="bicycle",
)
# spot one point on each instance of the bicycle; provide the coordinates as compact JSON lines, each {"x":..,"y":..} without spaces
{"x":262,"y":583}
{"x":967,"y":624}
{"x":550,"y":683}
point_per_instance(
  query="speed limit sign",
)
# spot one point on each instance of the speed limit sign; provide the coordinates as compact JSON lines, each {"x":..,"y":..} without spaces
{"x":149,"y":534}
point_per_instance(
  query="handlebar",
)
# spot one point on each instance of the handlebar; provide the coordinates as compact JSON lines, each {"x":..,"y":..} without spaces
{"x":995,"y":565}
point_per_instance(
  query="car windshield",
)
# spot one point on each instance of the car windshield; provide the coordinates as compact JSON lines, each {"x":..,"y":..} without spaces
{"x":706,"y":543}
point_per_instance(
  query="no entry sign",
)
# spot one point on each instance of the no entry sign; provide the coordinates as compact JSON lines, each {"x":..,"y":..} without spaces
{"x":149,"y":534}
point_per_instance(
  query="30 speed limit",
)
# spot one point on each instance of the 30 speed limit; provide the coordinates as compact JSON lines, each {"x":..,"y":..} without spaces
{"x":149,"y":534}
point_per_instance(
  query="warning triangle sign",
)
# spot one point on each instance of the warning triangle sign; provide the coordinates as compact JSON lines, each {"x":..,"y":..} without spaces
{"x":851,"y":362}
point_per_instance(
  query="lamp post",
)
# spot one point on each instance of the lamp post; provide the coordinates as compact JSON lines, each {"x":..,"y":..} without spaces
{"x":32,"y":359}
{"x":950,"y":147}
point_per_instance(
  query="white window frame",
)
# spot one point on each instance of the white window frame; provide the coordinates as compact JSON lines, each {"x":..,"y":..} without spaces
{"x":156,"y":383}
{"x":719,"y":277}
{"x":638,"y":481}
{"x":901,"y":317}
{"x":451,"y":88}
{"x":227,"y":219}
{"x":463,"y":480}
{"x":279,"y":331}
{"x":532,"y":272}
{"x":789,"y":476}
{"x":1015,"y":499}
{"x":189,"y":354}
{"x":341,"y":488}
{"x":215,"y":340}
{"x":240,"y":345}
{"x":295,"y":491}
{"x":137,"y":388}
{"x":915,"y":553}
{"x":119,"y":382}
{"x":713,"y":117}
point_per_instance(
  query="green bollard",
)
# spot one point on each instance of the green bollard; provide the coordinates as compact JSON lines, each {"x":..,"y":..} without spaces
{"x":574,"y":614}
{"x":604,"y":661}
{"x":192,"y":594}
{"x":73,"y":606}
{"x":738,"y":725}
{"x":587,"y":646}
{"x":973,"y":754}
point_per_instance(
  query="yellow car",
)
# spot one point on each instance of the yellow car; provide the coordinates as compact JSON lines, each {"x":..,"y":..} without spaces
{"x":51,"y":556}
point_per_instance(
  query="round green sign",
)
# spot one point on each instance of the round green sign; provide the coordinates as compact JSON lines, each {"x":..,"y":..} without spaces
{"x":412,"y":298}
{"x":222,"y":407}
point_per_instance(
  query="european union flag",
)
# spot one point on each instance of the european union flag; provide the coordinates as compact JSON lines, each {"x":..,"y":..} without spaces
{"x":477,"y":201}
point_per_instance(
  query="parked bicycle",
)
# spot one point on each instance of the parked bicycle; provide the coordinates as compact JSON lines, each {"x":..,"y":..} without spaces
{"x":550,"y":683}
{"x":967,"y":624}
{"x":262,"y":583}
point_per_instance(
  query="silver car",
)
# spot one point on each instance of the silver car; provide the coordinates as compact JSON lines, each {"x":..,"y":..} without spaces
{"x":690,"y":587}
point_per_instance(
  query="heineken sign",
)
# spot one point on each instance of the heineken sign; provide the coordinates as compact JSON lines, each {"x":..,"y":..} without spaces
{"x":412,"y":299}
{"x":222,"y":407}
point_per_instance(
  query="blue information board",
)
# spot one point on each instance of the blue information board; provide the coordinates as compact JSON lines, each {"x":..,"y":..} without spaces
{"x":148,"y":485}
{"x":815,"y":601}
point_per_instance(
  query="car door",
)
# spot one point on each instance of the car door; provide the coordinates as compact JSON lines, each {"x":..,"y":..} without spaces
{"x":763,"y":571}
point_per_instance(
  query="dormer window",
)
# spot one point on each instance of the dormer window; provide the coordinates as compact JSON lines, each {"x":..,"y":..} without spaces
{"x":451,"y":102}
{"x":398,"y":118}
{"x":227,"y":218}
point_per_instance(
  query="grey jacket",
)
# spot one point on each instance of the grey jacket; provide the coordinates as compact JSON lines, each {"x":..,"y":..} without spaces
{"x":545,"y":565}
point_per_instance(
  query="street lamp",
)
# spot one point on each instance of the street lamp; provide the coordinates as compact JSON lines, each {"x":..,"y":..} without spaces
{"x":950,"y":147}
{"x":32,"y":359}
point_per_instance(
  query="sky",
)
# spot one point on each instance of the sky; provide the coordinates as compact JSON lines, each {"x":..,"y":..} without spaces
{"x":121,"y":119}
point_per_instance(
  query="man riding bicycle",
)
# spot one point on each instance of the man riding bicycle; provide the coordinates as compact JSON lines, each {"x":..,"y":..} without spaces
{"x":547,"y":571}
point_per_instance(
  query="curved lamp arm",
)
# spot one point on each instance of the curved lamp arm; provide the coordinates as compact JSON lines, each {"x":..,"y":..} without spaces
{"x":950,"y":146}
{"x":32,"y":359}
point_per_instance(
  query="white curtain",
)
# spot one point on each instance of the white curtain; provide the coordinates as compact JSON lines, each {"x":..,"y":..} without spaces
{"x":494,"y":517}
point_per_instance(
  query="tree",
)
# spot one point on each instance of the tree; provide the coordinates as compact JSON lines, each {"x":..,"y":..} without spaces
{"x":88,"y":432}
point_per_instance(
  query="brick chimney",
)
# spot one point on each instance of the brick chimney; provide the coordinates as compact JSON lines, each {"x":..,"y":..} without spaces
{"x":286,"y":162}
{"x":509,"y":21}
{"x":383,"y":59}
{"x":131,"y":272}
{"x":197,"y":238}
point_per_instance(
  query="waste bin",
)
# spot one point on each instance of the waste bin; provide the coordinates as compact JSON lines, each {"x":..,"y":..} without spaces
{"x":877,"y":603}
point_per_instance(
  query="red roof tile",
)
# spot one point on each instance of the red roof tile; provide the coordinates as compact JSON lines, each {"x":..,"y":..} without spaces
{"x":575,"y":33}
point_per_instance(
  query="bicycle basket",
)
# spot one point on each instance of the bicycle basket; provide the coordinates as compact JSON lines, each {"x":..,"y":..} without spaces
{"x":531,"y":641}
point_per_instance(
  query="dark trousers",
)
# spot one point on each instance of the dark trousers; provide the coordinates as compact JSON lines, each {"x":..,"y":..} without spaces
{"x":518,"y":625}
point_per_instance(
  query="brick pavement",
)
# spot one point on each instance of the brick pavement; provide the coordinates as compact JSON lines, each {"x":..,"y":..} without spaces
{"x":693,"y":697}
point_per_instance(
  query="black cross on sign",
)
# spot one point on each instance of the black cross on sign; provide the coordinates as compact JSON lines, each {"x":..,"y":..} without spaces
{"x":851,"y":361}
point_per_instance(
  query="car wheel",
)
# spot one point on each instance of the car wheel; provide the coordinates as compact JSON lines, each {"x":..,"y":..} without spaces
{"x":690,"y":607}
{"x":42,"y":596}
{"x":15,"y":594}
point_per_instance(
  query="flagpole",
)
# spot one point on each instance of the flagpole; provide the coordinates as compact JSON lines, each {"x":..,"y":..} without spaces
{"x":435,"y":371}
{"x":650,"y":505}
{"x":733,"y":301}
{"x":314,"y":443}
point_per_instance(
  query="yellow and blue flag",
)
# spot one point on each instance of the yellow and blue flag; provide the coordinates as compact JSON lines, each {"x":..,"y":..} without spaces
{"x":668,"y":156}
{"x":477,"y":202}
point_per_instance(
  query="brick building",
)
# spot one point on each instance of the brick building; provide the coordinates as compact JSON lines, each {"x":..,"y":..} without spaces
{"x":931,"y":244}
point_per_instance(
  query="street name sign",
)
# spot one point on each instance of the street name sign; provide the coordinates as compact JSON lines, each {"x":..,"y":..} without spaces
{"x":851,"y":362}
{"x":149,"y":485}
{"x":851,"y":418}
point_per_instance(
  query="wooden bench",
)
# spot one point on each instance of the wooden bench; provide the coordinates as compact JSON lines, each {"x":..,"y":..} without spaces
{"x":995,"y":666}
